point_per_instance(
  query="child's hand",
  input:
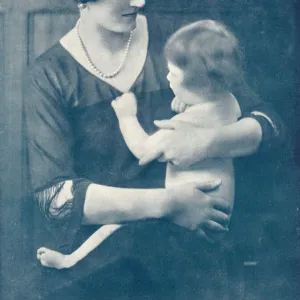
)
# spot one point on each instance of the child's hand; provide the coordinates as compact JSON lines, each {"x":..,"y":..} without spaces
{"x":178,"y":106}
{"x":125,"y":106}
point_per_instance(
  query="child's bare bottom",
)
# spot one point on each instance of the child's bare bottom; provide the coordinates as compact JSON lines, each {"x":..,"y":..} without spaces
{"x":54,"y":259}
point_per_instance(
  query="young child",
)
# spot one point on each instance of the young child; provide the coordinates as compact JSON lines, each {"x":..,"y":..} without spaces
{"x":204,"y":63}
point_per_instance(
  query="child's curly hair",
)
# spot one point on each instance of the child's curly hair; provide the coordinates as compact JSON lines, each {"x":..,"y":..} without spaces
{"x":208,"y":53}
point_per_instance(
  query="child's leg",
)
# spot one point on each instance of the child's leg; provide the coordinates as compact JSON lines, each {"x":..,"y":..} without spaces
{"x":54,"y":259}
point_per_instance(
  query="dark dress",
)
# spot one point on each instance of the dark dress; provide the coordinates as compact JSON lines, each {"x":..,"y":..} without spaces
{"x":73,"y":133}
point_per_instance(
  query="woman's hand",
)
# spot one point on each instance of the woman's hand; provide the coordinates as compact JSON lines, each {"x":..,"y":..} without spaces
{"x":125,"y":106}
{"x":192,"y":209}
{"x":181,"y":143}
{"x":186,"y":144}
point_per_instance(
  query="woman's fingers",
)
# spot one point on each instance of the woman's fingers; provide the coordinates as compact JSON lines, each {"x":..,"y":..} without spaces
{"x":149,"y":156}
{"x":166,"y":124}
{"x":209,"y":185}
{"x":214,"y":226}
{"x":220,"y":217}
{"x":162,"y":159}
{"x":221,"y":205}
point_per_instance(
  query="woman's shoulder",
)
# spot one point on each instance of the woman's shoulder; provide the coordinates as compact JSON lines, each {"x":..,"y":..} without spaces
{"x":54,"y":70}
{"x":56,"y":58}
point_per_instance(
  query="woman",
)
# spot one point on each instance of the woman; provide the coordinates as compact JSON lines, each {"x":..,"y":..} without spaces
{"x":83,"y":174}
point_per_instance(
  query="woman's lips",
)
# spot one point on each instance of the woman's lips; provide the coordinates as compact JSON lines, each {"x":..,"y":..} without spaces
{"x":133,"y":14}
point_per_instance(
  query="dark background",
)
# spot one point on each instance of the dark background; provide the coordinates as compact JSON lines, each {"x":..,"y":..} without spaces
{"x":268,"y":31}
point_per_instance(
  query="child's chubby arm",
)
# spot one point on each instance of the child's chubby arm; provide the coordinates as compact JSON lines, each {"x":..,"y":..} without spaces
{"x":137,"y":140}
{"x":134,"y":135}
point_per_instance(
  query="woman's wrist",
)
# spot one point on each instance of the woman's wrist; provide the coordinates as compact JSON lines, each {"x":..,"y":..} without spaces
{"x":152,"y":204}
{"x":171,"y":203}
{"x":164,"y":205}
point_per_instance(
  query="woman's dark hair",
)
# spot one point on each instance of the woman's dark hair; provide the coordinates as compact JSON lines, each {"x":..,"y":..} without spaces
{"x":208,"y":53}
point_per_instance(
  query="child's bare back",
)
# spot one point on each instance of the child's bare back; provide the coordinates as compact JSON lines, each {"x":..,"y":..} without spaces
{"x":208,"y":115}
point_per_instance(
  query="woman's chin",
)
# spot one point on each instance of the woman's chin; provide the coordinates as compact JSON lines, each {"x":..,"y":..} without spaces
{"x":130,"y":22}
{"x":122,"y":27}
{"x":125,"y":28}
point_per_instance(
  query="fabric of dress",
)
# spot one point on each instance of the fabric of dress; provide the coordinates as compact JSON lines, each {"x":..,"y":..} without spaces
{"x":73,"y":134}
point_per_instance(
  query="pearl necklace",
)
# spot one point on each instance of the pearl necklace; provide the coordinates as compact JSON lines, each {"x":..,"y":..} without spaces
{"x":92,"y":65}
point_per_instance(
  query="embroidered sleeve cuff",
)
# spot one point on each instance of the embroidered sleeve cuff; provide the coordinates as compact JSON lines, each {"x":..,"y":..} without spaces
{"x":261,"y":114}
{"x":270,"y":132}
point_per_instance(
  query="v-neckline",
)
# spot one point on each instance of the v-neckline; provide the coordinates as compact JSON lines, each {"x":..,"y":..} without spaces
{"x":88,"y":70}
{"x":99,"y":78}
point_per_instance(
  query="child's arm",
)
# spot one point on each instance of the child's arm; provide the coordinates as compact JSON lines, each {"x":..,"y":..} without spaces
{"x":134,"y":135}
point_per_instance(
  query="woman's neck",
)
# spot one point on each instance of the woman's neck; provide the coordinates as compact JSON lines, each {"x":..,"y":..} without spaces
{"x":103,"y":39}
{"x":107,"y":61}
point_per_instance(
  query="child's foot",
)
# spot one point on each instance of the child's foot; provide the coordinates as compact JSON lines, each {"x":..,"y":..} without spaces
{"x":53,"y":259}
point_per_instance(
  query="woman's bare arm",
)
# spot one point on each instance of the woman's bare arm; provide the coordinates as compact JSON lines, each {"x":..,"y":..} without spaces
{"x":186,"y":205}
{"x":238,"y":139}
{"x":109,"y":205}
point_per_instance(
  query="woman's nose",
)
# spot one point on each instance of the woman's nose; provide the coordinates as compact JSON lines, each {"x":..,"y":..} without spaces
{"x":137,"y":3}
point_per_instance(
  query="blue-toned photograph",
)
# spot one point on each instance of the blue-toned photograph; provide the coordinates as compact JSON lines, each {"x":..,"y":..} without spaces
{"x":149,"y":150}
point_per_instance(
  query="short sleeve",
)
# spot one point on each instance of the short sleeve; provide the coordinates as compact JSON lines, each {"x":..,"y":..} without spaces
{"x":273,"y":129}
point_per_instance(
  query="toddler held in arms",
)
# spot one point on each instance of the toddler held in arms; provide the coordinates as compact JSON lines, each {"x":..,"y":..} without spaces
{"x":204,"y":63}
